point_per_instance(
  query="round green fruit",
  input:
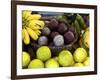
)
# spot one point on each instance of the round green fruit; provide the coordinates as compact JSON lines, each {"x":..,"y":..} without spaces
{"x":87,"y":61}
{"x":25,"y":59}
{"x":36,"y":63}
{"x":78,"y":64}
{"x":51,"y":63}
{"x":65,"y":58}
{"x":43,"y":53}
{"x":80,"y":55}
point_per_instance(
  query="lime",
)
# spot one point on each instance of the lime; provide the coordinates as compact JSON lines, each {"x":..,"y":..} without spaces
{"x":80,"y":55}
{"x":36,"y":63}
{"x":65,"y":58}
{"x":25,"y":59}
{"x":51,"y":63}
{"x":87,"y":61}
{"x":78,"y":64}
{"x":43,"y":53}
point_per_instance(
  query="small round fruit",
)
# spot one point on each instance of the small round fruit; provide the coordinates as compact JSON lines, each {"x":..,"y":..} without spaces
{"x":43,"y":40}
{"x":43,"y":53}
{"x":53,"y":34}
{"x":78,"y":64}
{"x":51,"y":63}
{"x":58,"y":40}
{"x":46,"y":31}
{"x":56,"y":58}
{"x":80,"y":55}
{"x":65,"y":58}
{"x":36,"y":63}
{"x":87,"y":61}
{"x":69,"y":37}
{"x":25,"y":59}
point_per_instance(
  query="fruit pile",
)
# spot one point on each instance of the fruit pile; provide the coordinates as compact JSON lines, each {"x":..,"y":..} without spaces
{"x":54,"y":41}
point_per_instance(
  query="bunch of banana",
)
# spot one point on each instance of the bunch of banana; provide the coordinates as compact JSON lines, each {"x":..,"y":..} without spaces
{"x":31,"y":26}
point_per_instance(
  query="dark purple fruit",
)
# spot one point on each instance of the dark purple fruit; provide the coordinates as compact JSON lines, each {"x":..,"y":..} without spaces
{"x":62,"y":28}
{"x":53,"y":34}
{"x":69,"y":37}
{"x":46,"y":31}
{"x":53,"y":24}
{"x":72,"y":29}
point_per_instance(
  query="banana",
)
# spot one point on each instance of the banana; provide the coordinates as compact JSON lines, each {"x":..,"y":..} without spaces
{"x":23,"y":34}
{"x":32,"y":34}
{"x":34,"y":17}
{"x":26,"y":37}
{"x":37,"y":32}
{"x":26,"y":14}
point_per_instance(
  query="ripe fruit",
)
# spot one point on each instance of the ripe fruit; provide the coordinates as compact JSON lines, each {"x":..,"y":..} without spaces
{"x":36,"y":63}
{"x":46,"y":31}
{"x":80,"y":55}
{"x":51,"y":63}
{"x":43,"y":40}
{"x":25,"y":59}
{"x":65,"y":58}
{"x":58,"y":40}
{"x":78,"y":64}
{"x":43,"y":53}
{"x":87,"y":61}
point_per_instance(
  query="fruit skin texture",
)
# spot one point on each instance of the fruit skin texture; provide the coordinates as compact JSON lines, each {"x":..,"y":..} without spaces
{"x":65,"y":58}
{"x":87,"y":61}
{"x":86,"y":38}
{"x":58,"y":40}
{"x":51,"y":63}
{"x":36,"y":63}
{"x":43,"y":53}
{"x":78,"y":65}
{"x":25,"y":36}
{"x":80,"y":55}
{"x":25,"y":59}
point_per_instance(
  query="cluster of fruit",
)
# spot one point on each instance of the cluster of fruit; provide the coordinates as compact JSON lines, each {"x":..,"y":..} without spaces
{"x":64,"y":59}
{"x":31,"y":26}
{"x":55,"y":31}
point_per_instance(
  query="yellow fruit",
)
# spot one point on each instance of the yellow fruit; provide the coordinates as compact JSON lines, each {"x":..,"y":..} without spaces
{"x":26,"y":37}
{"x":26,"y":14}
{"x":34,"y":17}
{"x":78,"y":65}
{"x":25,"y":59}
{"x":32,"y":34}
{"x":87,"y":61}
{"x":37,"y":32}
{"x":80,"y":55}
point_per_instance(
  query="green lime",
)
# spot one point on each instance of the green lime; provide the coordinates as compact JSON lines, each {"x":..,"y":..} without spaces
{"x":43,"y":53}
{"x":36,"y":63}
{"x":65,"y":58}
{"x":80,"y":55}
{"x":51,"y":63}
{"x":78,"y":64}
{"x":25,"y":59}
{"x":87,"y":61}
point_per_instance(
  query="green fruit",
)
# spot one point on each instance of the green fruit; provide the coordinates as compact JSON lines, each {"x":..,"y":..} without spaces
{"x":51,"y":63}
{"x":78,"y":64}
{"x":87,"y":61}
{"x":36,"y":63}
{"x":43,"y":53}
{"x":25,"y":59}
{"x":56,"y":58}
{"x":80,"y":55}
{"x":65,"y":58}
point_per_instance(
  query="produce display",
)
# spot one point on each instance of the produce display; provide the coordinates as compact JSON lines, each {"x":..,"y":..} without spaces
{"x":52,"y":40}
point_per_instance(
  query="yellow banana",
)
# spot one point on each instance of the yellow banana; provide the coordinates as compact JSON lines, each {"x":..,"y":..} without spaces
{"x":34,"y":17}
{"x":26,"y":14}
{"x":26,"y":37}
{"x":32,"y":34}
{"x":23,"y":34}
{"x":37,"y":32}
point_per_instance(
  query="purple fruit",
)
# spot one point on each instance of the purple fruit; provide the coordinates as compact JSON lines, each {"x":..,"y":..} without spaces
{"x":72,"y":29}
{"x":53,"y":24}
{"x":62,"y":28}
{"x":69,"y":37}
{"x":53,"y":34}
{"x":43,"y":40}
{"x":46,"y":31}
{"x":58,"y":40}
